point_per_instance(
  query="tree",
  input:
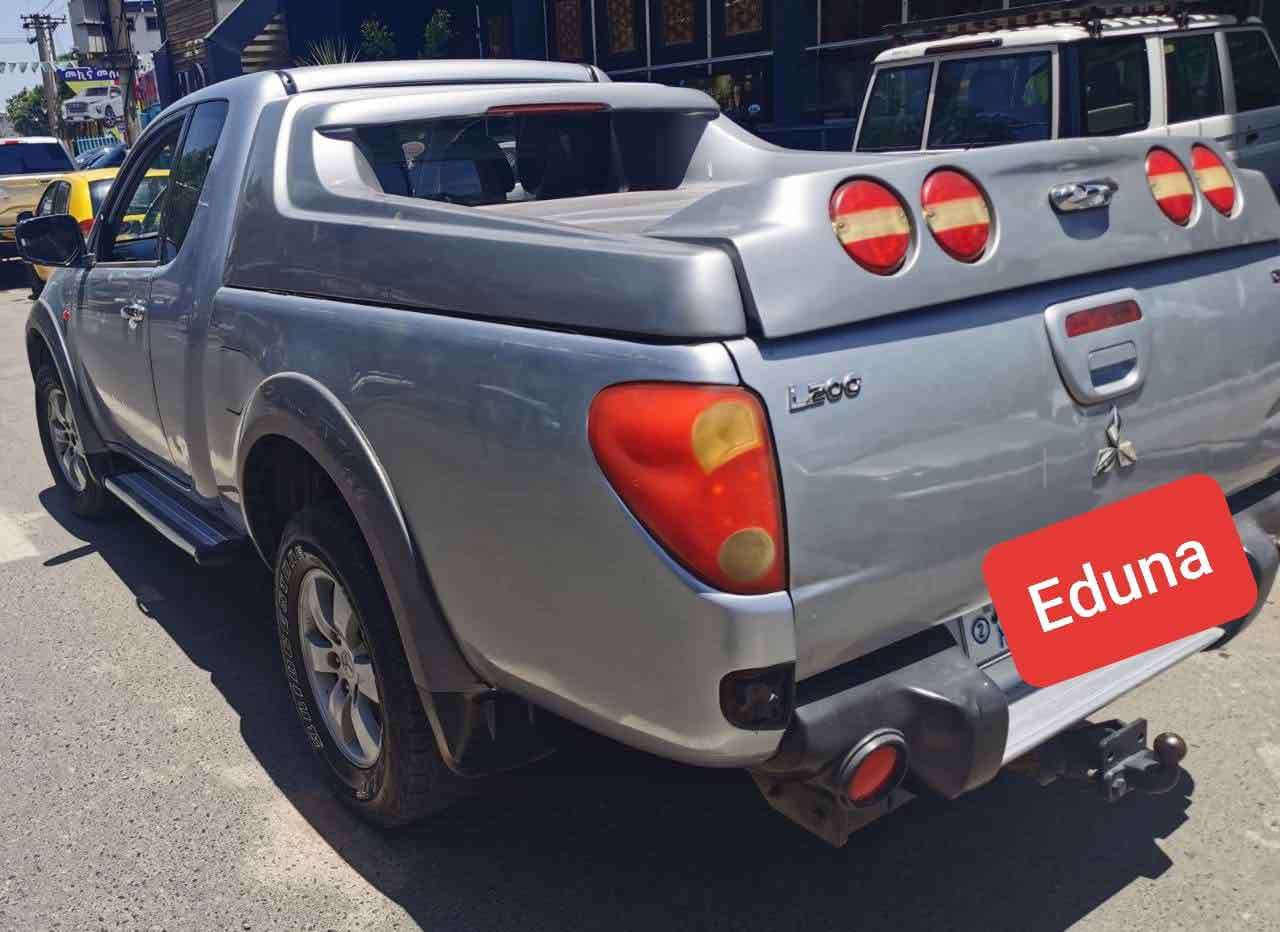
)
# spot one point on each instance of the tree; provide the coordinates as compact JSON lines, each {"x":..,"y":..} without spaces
{"x":376,"y":41}
{"x":437,"y":35}
{"x":27,"y":111}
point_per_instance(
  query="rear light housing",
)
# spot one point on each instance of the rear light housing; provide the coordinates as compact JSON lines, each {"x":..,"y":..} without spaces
{"x":86,"y":226}
{"x":695,"y":464}
{"x":874,"y":768}
{"x":1215,"y":180}
{"x":1170,"y":185}
{"x":957,"y":214}
{"x":872,"y":225}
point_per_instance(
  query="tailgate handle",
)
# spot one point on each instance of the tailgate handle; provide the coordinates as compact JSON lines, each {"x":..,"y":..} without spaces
{"x":1112,"y":363}
{"x":1110,"y":351}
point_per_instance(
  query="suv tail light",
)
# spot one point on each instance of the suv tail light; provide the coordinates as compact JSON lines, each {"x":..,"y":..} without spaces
{"x":1214,"y":179}
{"x":695,"y":464}
{"x":957,"y":214}
{"x":871,"y":223}
{"x":1170,"y":185}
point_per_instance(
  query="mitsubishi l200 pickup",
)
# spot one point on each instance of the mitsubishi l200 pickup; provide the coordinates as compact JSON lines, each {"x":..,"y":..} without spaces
{"x":548,"y":397}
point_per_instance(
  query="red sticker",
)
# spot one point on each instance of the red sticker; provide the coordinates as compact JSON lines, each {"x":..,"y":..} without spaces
{"x":1120,"y":580}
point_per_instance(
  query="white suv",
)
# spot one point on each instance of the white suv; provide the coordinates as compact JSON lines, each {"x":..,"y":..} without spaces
{"x":1212,"y":76}
{"x":103,"y":102}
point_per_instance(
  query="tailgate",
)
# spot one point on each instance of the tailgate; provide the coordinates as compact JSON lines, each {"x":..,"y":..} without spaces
{"x":19,"y":193}
{"x":965,"y":432}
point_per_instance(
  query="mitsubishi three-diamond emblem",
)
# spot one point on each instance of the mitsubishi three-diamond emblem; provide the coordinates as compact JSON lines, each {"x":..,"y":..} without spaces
{"x":1117,"y":452}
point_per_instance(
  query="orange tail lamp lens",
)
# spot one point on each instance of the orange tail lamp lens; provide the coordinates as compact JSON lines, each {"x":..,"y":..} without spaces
{"x":1170,"y":185}
{"x":1215,"y":181}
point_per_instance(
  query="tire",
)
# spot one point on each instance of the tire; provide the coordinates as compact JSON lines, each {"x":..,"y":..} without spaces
{"x":109,"y":117}
{"x":322,"y":555}
{"x":37,"y":285}
{"x":71,"y":473}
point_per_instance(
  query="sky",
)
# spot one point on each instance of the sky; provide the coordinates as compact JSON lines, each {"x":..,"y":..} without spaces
{"x":13,"y":46}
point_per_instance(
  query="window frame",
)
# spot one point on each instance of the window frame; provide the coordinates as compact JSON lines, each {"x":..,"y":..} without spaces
{"x":1157,"y":111}
{"x":1218,"y":45}
{"x":932,"y":65}
{"x":1224,"y":55}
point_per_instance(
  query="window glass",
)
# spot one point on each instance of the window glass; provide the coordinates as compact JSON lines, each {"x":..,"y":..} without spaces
{"x":743,"y":17}
{"x":190,"y":171}
{"x":678,"y":23}
{"x":31,"y":158}
{"x":992,"y":100}
{"x":61,"y":195}
{"x":932,"y":9}
{"x":1193,"y":84}
{"x":567,"y":16}
{"x":894,"y":118}
{"x":1117,"y":91}
{"x":132,"y":233}
{"x":845,"y":19}
{"x":743,"y":89}
{"x":622,"y":26}
{"x":46,"y":201}
{"x":1254,"y":70}
{"x":98,"y":193}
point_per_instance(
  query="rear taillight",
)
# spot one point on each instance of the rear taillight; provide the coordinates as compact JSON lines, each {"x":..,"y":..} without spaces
{"x":86,"y":226}
{"x":695,"y":464}
{"x":871,"y":224}
{"x":1078,"y":323}
{"x":1170,"y":185}
{"x":1214,"y":179}
{"x":956,"y":212}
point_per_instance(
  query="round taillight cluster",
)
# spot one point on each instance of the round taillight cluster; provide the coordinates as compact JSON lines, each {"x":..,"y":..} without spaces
{"x":957,"y":214}
{"x":1170,"y":185}
{"x":871,"y":223}
{"x":1214,"y":179}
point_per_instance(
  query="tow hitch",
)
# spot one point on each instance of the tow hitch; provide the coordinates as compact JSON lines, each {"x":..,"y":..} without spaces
{"x":1112,"y":754}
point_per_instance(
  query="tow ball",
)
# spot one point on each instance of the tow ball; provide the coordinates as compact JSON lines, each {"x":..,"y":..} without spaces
{"x":1112,"y":754}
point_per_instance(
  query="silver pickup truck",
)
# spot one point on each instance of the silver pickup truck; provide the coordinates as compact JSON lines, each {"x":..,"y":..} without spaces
{"x":546,"y":397}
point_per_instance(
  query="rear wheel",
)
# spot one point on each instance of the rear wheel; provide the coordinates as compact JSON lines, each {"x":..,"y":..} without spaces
{"x":64,"y":448}
{"x":348,"y":675}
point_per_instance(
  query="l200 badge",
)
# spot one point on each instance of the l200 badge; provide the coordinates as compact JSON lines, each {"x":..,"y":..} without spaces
{"x":812,"y":395}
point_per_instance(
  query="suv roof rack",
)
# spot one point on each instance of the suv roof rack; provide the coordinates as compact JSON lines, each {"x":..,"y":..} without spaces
{"x":1086,"y":13}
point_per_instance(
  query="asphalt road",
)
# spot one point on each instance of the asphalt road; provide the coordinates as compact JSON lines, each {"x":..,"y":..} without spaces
{"x":154,"y":778}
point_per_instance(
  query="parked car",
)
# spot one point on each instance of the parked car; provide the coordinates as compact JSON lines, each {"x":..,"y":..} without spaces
{"x":965,"y":84}
{"x":694,"y":441}
{"x":104,"y":102}
{"x":27,"y":165}
{"x":102,"y":157}
{"x":81,"y":194}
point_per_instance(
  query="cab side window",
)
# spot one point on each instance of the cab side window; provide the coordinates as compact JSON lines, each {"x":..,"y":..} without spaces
{"x":61,"y":197}
{"x":1192,"y":80}
{"x":190,"y":171}
{"x":1117,"y":92}
{"x":1254,"y":70}
{"x":45,"y":206}
{"x":132,"y":232}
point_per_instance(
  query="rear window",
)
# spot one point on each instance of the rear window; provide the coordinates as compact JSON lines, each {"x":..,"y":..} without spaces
{"x":478,"y":161}
{"x":31,"y":158}
{"x":1117,"y":90}
{"x":992,"y":100}
{"x":1193,"y":82}
{"x":1254,"y":70}
{"x":98,"y":193}
{"x":894,"y":117}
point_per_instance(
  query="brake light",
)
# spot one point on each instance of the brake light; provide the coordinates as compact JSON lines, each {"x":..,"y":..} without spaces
{"x":1170,"y":185}
{"x":956,"y":212}
{"x":86,"y":226}
{"x":871,"y":223}
{"x":1100,"y":318}
{"x":525,"y":109}
{"x":695,"y":464}
{"x":1214,"y":179}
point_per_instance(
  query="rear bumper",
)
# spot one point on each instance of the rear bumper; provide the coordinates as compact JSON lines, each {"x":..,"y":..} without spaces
{"x":963,"y":723}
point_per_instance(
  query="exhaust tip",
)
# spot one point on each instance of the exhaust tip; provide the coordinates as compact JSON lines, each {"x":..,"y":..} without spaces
{"x":874,"y":768}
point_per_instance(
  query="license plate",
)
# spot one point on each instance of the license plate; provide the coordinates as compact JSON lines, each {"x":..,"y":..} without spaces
{"x":983,"y":639}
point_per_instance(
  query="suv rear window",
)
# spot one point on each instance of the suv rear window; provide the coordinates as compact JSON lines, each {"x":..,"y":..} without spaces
{"x":895,"y":110}
{"x":991,"y":100}
{"x":33,"y":158}
{"x":1254,"y":70}
{"x":1116,"y":88}
{"x":485,"y":160}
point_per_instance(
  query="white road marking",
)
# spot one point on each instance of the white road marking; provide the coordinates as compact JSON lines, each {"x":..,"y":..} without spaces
{"x":13,"y":543}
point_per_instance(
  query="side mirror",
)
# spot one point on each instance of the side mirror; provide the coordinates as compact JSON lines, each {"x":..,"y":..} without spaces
{"x":25,"y":215}
{"x":54,"y":239}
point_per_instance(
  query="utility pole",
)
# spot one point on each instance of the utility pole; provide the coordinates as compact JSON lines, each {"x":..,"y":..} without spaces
{"x":120,"y":54}
{"x":43,"y":26}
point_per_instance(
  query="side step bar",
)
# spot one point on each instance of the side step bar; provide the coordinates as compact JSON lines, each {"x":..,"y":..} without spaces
{"x":190,"y":528}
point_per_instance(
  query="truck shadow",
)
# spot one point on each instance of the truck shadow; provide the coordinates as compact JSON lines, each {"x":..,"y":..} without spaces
{"x":603,"y":836}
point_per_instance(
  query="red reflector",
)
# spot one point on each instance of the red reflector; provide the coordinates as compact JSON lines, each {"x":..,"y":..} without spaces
{"x":523,"y":109}
{"x":957,"y":214}
{"x":86,"y":226}
{"x":871,"y":224}
{"x":695,"y":464}
{"x":874,"y":774}
{"x":1100,"y":318}
{"x":1214,"y":179}
{"x":1170,"y":185}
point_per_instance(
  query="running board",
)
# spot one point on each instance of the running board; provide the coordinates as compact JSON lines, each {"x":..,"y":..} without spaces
{"x":190,"y":528}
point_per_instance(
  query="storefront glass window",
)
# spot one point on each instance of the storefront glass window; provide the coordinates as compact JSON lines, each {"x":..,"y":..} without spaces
{"x":568,"y":22}
{"x":622,"y":26}
{"x":931,"y":9}
{"x":858,"y":19}
{"x":677,"y":21}
{"x":743,"y":17}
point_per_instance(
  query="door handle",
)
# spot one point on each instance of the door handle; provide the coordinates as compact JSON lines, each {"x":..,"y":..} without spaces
{"x":133,"y":313}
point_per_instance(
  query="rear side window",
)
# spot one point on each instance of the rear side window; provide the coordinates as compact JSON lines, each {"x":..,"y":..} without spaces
{"x":1192,"y":80}
{"x":61,"y":195}
{"x":991,"y":100}
{"x":1117,"y":88}
{"x":32,"y":158}
{"x":189,"y":172}
{"x":894,"y":118}
{"x":1254,"y":70}
{"x":98,"y":193}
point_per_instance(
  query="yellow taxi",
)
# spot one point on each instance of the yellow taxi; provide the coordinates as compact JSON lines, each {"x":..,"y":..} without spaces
{"x":81,"y":194}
